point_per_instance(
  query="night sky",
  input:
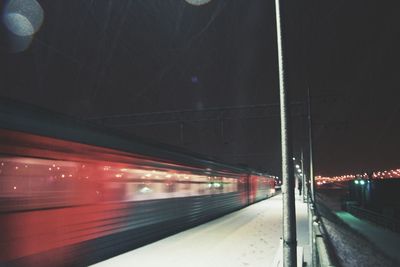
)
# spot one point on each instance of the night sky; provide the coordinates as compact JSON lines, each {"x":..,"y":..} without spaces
{"x":101,"y":57}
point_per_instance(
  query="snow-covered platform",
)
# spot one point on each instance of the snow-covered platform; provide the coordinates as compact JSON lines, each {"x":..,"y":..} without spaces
{"x":248,"y":237}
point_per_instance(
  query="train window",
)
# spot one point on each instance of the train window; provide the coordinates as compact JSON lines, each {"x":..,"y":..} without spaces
{"x":32,"y":183}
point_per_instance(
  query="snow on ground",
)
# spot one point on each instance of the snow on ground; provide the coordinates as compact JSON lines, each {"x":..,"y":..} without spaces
{"x":386,"y":240}
{"x":248,"y":237}
{"x":357,"y":242}
{"x":352,"y":249}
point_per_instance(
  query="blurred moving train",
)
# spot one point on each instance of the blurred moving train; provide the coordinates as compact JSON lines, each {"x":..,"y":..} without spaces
{"x":73,"y":195}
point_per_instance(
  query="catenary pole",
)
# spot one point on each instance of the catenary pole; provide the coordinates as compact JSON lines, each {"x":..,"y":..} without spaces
{"x":288,"y":180}
{"x":312,"y":178}
{"x":303,"y":178}
{"x":311,"y":202}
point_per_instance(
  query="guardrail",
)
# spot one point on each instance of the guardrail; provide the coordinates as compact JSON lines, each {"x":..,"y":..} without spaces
{"x":321,"y":255}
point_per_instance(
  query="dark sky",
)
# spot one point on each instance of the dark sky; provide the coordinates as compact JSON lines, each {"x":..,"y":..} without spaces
{"x":102,"y":57}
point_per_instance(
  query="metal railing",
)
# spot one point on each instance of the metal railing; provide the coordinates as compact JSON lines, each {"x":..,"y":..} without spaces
{"x":321,"y":254}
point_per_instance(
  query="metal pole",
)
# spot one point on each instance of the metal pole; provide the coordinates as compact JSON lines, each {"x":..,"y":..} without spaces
{"x":303,"y":180}
{"x":312,"y":185}
{"x":312,"y":179}
{"x":288,"y":184}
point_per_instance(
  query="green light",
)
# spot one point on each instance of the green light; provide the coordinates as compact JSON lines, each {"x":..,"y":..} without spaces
{"x":362,"y":182}
{"x":356,"y":181}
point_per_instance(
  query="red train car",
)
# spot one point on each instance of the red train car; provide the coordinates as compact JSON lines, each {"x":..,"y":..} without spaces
{"x":72,"y":195}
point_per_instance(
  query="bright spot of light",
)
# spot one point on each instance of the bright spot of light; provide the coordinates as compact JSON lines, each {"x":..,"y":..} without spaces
{"x":18,"y":24}
{"x":145,"y":190}
{"x":197,"y":2}
{"x":23,"y":17}
{"x":15,"y":187}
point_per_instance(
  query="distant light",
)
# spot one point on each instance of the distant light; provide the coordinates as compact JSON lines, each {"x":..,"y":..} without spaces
{"x":356,"y":181}
{"x":362,"y":182}
{"x":297,"y":166}
{"x":197,"y":2}
{"x":62,"y":175}
{"x":217,"y":185}
{"x":299,"y":170}
{"x":15,"y":187}
{"x":145,"y":190}
{"x":294,"y":158}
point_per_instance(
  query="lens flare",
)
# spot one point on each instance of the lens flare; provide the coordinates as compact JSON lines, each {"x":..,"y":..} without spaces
{"x":197,"y":2}
{"x":22,"y":19}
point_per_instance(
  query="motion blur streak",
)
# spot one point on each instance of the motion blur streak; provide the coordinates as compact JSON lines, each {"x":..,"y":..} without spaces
{"x":63,"y":203}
